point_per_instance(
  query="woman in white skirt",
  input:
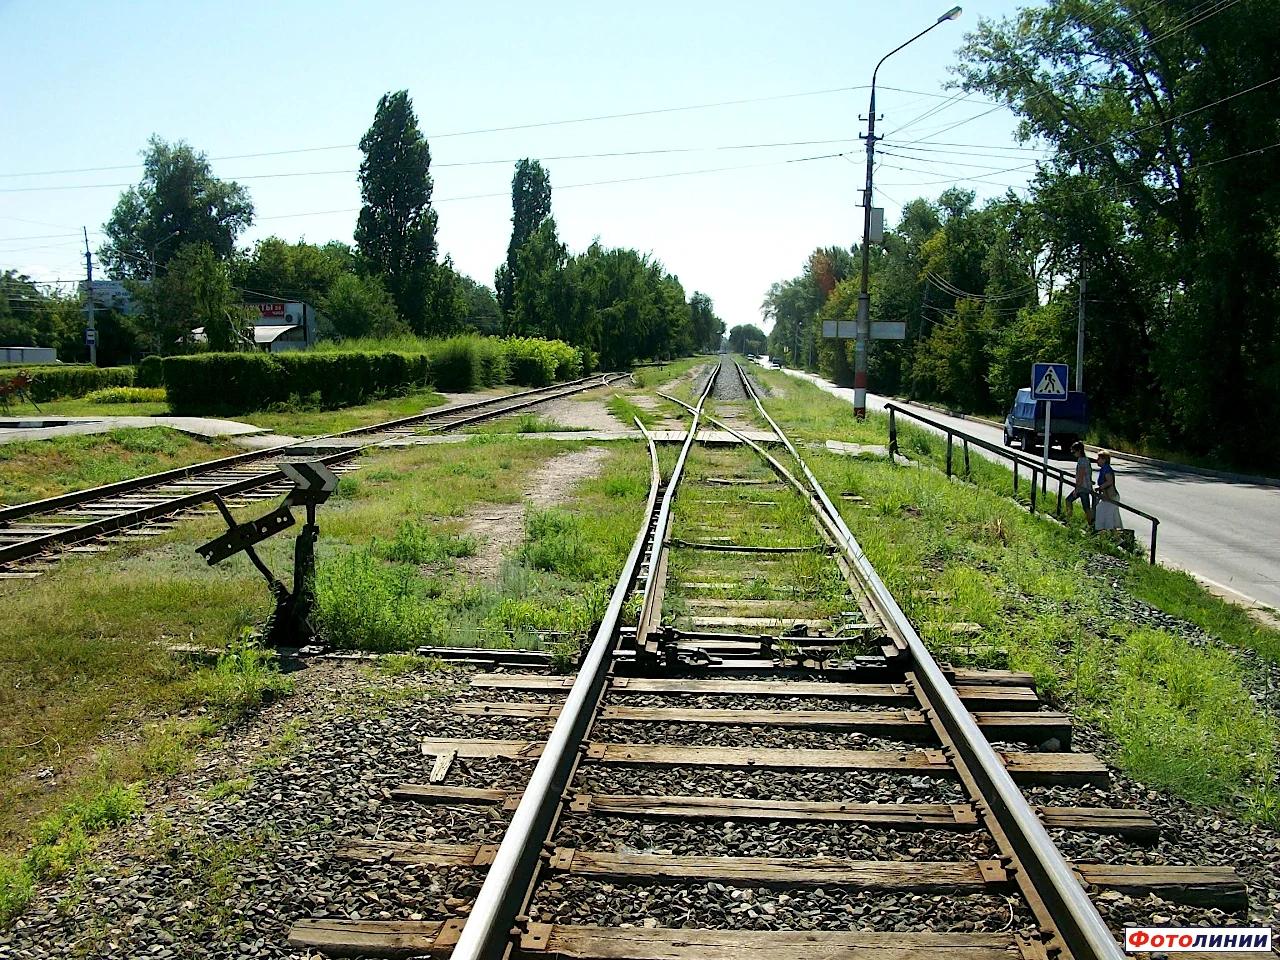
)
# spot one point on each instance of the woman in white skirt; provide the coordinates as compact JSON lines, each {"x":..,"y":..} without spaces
{"x":1106,"y":515}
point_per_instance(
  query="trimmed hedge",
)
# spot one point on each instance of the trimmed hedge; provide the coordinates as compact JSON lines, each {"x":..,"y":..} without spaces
{"x":65,"y":382}
{"x":150,"y":372}
{"x":238,"y":382}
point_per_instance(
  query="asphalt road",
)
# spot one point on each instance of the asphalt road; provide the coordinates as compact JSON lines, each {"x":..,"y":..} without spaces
{"x":1226,"y":532}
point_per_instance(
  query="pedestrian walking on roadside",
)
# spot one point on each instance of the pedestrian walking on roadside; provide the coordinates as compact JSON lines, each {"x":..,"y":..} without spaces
{"x":1084,"y":482}
{"x":1106,"y":515}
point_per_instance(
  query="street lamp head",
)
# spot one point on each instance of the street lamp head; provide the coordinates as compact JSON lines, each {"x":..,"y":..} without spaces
{"x":952,"y":14}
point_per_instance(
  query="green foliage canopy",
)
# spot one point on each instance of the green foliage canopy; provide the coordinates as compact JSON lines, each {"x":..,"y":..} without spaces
{"x":178,"y":202}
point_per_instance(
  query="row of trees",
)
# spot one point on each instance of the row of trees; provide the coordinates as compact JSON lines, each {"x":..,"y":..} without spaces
{"x":173,"y":239}
{"x":1162,"y":188}
{"x":619,"y":303}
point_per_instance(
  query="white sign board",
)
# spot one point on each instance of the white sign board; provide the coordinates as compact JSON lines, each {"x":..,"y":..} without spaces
{"x":888,"y":329}
{"x":840,"y":329}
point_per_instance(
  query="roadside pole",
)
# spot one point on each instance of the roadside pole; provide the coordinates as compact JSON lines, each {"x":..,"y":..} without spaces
{"x":1048,"y":384}
{"x":1080,"y":331}
{"x":90,"y":330}
{"x":1048,"y":421}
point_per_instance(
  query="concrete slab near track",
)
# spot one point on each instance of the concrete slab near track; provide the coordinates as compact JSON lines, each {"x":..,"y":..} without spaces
{"x":33,"y":428}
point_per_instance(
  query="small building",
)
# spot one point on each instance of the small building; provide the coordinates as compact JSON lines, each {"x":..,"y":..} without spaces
{"x":28,"y":355}
{"x":283,"y":325}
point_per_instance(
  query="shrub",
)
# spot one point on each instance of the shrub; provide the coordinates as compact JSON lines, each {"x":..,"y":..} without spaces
{"x":127,"y":395}
{"x":238,"y":382}
{"x":539,"y":363}
{"x":495,"y":367}
{"x":363,"y":603}
{"x":65,"y":382}
{"x":150,"y":372}
{"x":457,"y":365}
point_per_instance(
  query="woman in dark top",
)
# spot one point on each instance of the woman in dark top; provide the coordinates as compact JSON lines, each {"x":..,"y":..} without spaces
{"x":1106,"y":513}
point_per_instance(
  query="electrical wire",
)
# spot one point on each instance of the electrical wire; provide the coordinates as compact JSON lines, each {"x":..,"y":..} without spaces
{"x":467,"y":163}
{"x":505,"y":194}
{"x":467,"y":133}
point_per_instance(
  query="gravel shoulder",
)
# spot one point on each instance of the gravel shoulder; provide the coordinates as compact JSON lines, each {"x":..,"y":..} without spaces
{"x":230,"y":853}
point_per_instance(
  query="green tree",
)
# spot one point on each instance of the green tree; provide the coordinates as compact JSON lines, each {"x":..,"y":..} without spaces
{"x":483,"y":315}
{"x":396,"y":229}
{"x":539,"y":283}
{"x":708,"y":329}
{"x":22,"y":305}
{"x":530,"y":206}
{"x":358,"y":306}
{"x":178,"y":202}
{"x":295,"y":271}
{"x":747,"y":338}
{"x":195,"y":291}
{"x":446,"y":301}
{"x":1162,"y":120}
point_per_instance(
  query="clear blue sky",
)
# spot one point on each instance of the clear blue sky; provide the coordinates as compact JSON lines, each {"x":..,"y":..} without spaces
{"x":86,"y":84}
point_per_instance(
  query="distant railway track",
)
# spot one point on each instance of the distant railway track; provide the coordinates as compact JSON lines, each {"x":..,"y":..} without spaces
{"x":33,"y":534}
{"x":756,"y":717}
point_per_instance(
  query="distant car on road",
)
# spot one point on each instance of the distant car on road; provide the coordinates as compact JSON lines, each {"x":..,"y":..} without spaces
{"x":1024,"y":423}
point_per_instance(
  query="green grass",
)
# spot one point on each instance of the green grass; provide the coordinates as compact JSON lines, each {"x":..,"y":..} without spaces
{"x":61,"y":841}
{"x":130,"y":395}
{"x":418,"y":543}
{"x":87,"y":407}
{"x":305,"y":421}
{"x":35,"y":469}
{"x":628,"y":412}
{"x":1180,"y":715}
{"x":552,"y":590}
{"x":1187,"y":724}
{"x":522,"y":423}
{"x":406,"y":664}
{"x":1180,"y":594}
{"x":661,"y":376}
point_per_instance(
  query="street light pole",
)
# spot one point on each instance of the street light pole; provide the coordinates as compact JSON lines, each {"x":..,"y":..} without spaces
{"x":862,"y":344}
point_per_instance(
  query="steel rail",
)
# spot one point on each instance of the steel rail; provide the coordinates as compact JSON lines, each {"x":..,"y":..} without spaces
{"x":1078,"y":922}
{"x":79,"y":497}
{"x":25,"y":549}
{"x":486,"y":935}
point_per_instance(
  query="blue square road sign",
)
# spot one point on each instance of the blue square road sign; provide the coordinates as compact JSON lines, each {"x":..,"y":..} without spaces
{"x":1049,"y":381}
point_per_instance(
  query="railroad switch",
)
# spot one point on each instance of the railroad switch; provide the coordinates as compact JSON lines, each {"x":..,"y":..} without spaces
{"x":289,"y":624}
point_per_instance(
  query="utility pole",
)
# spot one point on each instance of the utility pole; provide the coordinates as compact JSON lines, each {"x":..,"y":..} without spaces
{"x":1080,"y":329}
{"x":91,"y":329}
{"x":862,"y":343}
{"x":795,"y":352}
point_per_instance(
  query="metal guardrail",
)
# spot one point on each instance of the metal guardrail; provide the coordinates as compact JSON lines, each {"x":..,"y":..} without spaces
{"x":1052,"y":880}
{"x":1040,"y":477}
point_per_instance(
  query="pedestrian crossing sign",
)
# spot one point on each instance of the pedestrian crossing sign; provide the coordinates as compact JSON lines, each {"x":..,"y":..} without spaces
{"x":1049,"y":381}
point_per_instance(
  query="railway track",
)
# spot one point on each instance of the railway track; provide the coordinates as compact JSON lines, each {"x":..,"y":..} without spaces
{"x":757,"y":755}
{"x":33,"y":534}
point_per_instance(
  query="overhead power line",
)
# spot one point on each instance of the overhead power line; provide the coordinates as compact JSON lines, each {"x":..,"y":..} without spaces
{"x":487,"y":130}
{"x":505,"y":194}
{"x":471,"y":163}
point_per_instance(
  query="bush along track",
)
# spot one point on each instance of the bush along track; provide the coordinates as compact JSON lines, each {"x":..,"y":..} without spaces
{"x":1182,"y":686}
{"x":240,"y":382}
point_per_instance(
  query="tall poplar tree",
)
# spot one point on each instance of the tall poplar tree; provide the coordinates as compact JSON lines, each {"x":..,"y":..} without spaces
{"x":530,"y":205}
{"x":396,"y":231}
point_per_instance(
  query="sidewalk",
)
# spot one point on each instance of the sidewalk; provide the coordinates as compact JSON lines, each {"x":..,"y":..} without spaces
{"x":44,"y":428}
